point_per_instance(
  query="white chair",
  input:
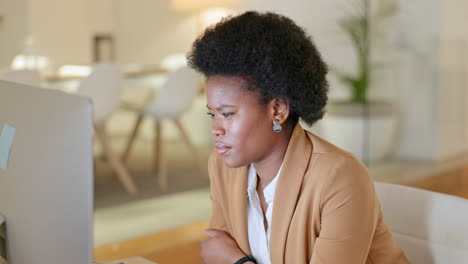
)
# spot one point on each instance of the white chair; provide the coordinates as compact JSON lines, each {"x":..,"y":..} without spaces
{"x":28,"y":77}
{"x":431,"y":228}
{"x":103,"y":86}
{"x":173,"y":99}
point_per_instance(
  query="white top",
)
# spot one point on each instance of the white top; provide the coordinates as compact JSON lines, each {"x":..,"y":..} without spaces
{"x":259,"y":240}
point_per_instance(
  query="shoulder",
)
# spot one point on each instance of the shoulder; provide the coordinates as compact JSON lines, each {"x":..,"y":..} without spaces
{"x":338,"y":179}
{"x":336,"y":167}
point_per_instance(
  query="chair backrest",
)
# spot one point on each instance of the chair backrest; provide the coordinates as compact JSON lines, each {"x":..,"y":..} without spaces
{"x":176,"y":94}
{"x":103,"y":86}
{"x":28,"y":77}
{"x":430,"y":227}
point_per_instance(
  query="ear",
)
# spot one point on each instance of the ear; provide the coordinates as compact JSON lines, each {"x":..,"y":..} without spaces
{"x":279,"y":110}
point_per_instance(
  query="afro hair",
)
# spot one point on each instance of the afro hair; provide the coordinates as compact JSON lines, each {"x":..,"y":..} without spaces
{"x":272,"y":54}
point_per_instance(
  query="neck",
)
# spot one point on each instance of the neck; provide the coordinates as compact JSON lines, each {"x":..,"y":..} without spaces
{"x":268,"y":167}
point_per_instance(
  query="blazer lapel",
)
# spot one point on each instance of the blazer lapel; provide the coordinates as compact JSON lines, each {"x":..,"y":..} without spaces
{"x":239,"y":208}
{"x":287,"y":191}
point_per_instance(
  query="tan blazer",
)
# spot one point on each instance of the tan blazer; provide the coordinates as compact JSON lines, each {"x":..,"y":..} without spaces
{"x":325,"y":208}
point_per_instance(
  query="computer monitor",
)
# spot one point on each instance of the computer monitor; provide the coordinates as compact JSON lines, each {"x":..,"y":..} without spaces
{"x":46,"y":189}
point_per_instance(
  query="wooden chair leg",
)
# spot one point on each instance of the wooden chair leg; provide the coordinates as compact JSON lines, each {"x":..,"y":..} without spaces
{"x":102,"y":156}
{"x":122,"y":173}
{"x":132,"y":138}
{"x":465,"y":181}
{"x":156,"y":146}
{"x":189,"y":143}
{"x":159,"y":166}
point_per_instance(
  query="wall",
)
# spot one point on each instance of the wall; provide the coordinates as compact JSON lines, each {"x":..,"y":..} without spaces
{"x":148,"y":31}
{"x":144,"y":32}
{"x":453,"y":133}
{"x":102,"y":16}
{"x":12,"y":29}
{"x":61,"y":30}
{"x":417,"y":49}
{"x":433,"y":79}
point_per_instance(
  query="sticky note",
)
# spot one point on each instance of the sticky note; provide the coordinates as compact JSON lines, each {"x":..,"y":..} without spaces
{"x":6,"y":141}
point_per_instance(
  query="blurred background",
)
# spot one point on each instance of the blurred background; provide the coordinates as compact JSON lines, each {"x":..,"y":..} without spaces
{"x":398,"y":98}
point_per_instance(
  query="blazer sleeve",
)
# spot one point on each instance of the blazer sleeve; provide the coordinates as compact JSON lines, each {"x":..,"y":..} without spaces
{"x":349,"y":213}
{"x":217,"y":220}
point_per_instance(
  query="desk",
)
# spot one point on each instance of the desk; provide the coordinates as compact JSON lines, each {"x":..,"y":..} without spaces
{"x":176,"y":246}
{"x":2,"y":240}
{"x":134,"y":73}
{"x":69,"y":82}
{"x":133,"y":260}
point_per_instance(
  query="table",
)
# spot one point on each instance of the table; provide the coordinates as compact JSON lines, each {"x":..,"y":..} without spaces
{"x":2,"y":240}
{"x":132,"y":260}
{"x":70,"y":82}
{"x":133,"y":73}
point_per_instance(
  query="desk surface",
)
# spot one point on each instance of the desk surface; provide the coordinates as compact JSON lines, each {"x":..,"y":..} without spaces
{"x":2,"y":241}
{"x":133,"y":260}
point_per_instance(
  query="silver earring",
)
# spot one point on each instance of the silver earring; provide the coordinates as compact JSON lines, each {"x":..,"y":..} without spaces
{"x":277,"y":127}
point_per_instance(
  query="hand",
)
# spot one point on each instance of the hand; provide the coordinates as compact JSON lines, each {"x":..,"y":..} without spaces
{"x":219,"y":248}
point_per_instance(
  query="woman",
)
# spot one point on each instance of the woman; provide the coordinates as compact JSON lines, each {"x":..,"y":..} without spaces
{"x":280,"y":194}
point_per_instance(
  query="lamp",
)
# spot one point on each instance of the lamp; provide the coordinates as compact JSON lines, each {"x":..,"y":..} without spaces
{"x":208,"y":11}
{"x":200,"y":5}
{"x":213,"y":15}
{"x":2,"y":240}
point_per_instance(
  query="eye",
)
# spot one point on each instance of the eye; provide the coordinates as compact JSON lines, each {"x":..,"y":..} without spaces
{"x":210,"y":114}
{"x":226,"y":115}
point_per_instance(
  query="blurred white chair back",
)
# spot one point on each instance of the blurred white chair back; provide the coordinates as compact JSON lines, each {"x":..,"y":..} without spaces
{"x":176,"y":95}
{"x":173,"y":99}
{"x":103,"y":86}
{"x":431,"y":228}
{"x":28,"y":77}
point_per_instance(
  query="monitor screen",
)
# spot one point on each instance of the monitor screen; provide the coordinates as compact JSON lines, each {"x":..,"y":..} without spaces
{"x":46,"y":175}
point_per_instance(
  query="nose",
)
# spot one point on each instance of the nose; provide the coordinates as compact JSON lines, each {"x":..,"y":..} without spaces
{"x":217,"y":128}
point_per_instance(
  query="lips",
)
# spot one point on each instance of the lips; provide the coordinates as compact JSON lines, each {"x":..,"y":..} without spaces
{"x":222,"y":149}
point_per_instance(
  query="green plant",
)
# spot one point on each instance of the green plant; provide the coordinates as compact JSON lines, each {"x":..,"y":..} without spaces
{"x":357,"y":27}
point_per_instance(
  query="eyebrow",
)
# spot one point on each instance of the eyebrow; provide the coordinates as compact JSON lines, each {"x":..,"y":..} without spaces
{"x":222,"y":106}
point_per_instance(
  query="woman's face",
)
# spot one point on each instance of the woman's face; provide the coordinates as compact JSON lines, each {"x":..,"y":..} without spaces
{"x":241,"y":125}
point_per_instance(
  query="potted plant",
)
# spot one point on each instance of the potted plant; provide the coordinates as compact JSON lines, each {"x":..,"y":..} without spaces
{"x":362,"y":126}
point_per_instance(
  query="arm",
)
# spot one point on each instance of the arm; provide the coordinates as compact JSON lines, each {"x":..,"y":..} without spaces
{"x":217,"y":220}
{"x":220,"y":247}
{"x":348,"y":215}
